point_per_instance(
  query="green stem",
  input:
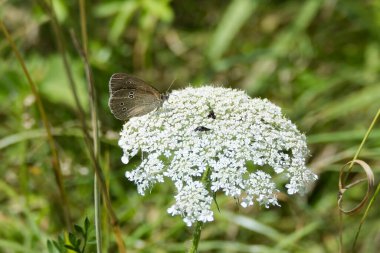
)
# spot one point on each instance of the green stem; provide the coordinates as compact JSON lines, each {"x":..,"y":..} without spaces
{"x":97,"y":206}
{"x":196,"y":237}
{"x":199,"y":224}
{"x":94,"y":122}
{"x":345,"y":180}
{"x":362,"y":143}
{"x":365,"y":216}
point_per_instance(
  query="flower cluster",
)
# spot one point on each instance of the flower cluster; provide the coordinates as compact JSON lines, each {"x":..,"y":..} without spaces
{"x":242,"y":142}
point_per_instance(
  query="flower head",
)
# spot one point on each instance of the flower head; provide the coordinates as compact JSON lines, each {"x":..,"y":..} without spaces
{"x":242,"y":141}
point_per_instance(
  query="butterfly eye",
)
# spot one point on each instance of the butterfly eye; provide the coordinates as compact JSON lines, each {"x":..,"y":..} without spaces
{"x":124,"y":109}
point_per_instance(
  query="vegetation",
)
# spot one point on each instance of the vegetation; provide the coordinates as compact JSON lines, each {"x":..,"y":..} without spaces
{"x":317,"y":59}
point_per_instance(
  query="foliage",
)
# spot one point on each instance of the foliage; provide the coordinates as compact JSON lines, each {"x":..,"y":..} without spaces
{"x":77,"y":242}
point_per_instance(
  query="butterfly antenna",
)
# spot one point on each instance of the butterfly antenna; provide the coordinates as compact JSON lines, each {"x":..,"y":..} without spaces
{"x":170,"y":85}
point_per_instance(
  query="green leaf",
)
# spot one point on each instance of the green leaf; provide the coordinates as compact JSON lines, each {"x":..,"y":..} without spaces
{"x":237,"y":13}
{"x":60,"y":9}
{"x":359,"y":100}
{"x":50,"y":246}
{"x":122,"y":19}
{"x":79,"y":229}
{"x":91,"y":242}
{"x":57,"y":246}
{"x":254,"y":225}
{"x":61,"y":242}
{"x":107,"y":9}
{"x":70,"y":247}
{"x":160,"y":9}
{"x":53,"y":82}
{"x":72,"y":238}
{"x":86,"y":224}
{"x":78,"y":242}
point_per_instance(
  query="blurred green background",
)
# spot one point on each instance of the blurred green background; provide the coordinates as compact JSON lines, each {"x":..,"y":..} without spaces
{"x":317,"y":59}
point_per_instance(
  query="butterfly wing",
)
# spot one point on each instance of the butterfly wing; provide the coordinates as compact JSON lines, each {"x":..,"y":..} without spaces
{"x":121,"y":81}
{"x":133,"y":102}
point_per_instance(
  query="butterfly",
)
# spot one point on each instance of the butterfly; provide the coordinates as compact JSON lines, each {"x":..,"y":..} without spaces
{"x":132,"y":97}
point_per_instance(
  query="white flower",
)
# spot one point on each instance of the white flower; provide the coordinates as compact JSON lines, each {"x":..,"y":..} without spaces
{"x":242,"y":141}
{"x":193,"y":203}
{"x":261,"y":189}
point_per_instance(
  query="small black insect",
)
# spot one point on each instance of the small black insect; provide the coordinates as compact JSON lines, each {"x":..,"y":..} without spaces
{"x":202,"y":129}
{"x":211,"y":115}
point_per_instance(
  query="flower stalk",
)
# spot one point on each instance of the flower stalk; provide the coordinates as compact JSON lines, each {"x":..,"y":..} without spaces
{"x":199,"y":224}
{"x":196,"y":237}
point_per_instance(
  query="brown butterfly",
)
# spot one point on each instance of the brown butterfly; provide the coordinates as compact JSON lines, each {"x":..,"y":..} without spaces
{"x":132,"y":97}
